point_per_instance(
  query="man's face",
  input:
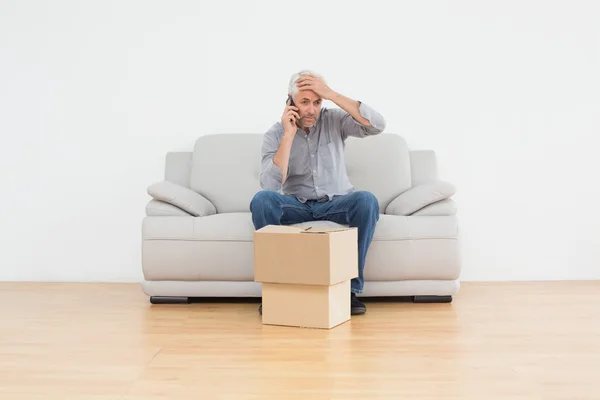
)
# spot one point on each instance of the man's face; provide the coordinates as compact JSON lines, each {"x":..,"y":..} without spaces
{"x":309,"y":107}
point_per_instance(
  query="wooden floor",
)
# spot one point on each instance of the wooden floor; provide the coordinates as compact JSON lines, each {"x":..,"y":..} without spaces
{"x":106,"y":341}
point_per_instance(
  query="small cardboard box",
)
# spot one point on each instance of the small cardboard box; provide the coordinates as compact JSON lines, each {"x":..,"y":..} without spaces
{"x":305,"y":306}
{"x":305,"y":274}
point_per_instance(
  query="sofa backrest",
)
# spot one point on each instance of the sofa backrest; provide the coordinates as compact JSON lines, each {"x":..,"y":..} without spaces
{"x":379,"y":164}
{"x":225,"y":168}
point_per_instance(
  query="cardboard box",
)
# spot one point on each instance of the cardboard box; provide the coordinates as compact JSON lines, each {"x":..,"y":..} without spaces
{"x":306,"y":306}
{"x":305,"y":274}
{"x":309,"y":256}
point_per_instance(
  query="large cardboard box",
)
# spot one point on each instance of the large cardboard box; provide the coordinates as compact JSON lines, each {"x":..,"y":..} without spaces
{"x":305,"y":274}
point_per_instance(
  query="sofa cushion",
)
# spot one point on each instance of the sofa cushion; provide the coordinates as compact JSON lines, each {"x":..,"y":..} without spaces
{"x":379,"y":164}
{"x":238,"y":227}
{"x":182,"y":197}
{"x":235,"y":227}
{"x":220,"y":248}
{"x":158,"y":208}
{"x":420,"y":196}
{"x":442,"y":207}
{"x":226,"y":170}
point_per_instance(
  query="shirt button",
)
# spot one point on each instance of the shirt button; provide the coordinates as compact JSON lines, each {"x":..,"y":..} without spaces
{"x":316,"y":187}
{"x":314,"y":171}
{"x":312,"y":155}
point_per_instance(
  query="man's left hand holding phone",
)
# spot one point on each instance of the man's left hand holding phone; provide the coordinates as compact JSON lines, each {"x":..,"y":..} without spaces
{"x":289,"y":121}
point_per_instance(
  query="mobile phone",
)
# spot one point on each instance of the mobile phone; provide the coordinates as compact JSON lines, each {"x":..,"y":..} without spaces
{"x":291,"y":100}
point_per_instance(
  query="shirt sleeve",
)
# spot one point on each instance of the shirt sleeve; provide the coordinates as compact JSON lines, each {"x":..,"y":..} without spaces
{"x":270,"y":174}
{"x":351,"y":127}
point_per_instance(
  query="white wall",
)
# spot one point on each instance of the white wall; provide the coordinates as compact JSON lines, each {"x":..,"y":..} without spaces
{"x":92,"y":94}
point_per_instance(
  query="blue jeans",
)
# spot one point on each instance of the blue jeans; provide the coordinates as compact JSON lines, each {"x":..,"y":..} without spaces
{"x":359,"y":209}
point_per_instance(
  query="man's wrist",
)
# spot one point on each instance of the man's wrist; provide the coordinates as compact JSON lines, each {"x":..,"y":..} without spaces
{"x":289,"y":134}
{"x":334,"y":96}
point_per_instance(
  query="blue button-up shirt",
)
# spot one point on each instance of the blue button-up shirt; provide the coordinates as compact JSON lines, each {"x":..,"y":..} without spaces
{"x":316,"y":168}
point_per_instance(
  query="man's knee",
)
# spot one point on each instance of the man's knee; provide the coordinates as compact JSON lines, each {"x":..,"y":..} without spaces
{"x":263,"y":198}
{"x":366,"y":201}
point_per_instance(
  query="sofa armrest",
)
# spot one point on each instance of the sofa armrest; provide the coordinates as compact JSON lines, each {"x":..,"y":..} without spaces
{"x":157,"y":208}
{"x":182,"y":197}
{"x":420,"y":196}
{"x":439,"y":208}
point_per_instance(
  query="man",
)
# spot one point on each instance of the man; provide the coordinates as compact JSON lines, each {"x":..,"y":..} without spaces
{"x":303,"y":157}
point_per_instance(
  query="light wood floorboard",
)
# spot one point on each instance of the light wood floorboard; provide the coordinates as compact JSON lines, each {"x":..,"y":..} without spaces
{"x":106,"y":341}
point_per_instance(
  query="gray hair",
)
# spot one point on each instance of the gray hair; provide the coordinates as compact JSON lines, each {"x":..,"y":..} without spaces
{"x":292,"y":88}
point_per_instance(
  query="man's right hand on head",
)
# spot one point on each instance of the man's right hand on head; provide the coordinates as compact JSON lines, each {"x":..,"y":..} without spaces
{"x":289,"y":118}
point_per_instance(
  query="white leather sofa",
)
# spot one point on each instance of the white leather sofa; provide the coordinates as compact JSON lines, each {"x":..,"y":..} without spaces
{"x":197,"y":233}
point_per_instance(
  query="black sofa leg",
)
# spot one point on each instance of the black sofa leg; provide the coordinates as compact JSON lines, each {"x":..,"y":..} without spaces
{"x":432,"y":299}
{"x":169,"y":300}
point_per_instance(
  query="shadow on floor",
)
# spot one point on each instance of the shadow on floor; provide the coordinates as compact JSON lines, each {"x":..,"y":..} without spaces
{"x":258,"y":300}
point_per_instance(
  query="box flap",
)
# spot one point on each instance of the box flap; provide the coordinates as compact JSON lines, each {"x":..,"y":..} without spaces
{"x":312,"y":229}
{"x":296,"y":229}
{"x":280,"y":229}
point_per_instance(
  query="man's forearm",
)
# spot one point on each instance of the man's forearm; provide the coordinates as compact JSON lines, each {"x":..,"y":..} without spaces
{"x":352,"y":107}
{"x":282,"y":157}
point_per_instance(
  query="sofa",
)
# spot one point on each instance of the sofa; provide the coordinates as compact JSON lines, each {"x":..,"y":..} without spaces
{"x":197,"y":234}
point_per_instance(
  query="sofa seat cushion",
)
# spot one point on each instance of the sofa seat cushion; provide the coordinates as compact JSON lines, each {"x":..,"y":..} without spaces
{"x":238,"y":227}
{"x":220,"y":248}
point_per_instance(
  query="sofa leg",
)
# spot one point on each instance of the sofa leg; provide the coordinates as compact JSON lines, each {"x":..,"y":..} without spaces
{"x":169,"y":300}
{"x":432,"y":299}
